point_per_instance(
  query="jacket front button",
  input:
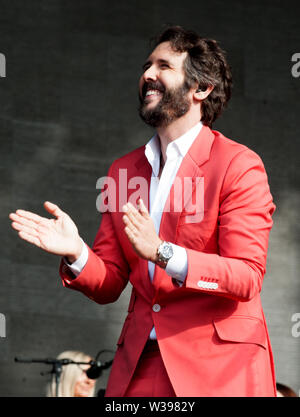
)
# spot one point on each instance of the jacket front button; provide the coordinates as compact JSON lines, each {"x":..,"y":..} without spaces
{"x":156,"y":308}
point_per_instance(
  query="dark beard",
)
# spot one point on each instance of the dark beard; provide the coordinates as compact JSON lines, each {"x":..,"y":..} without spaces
{"x":173,"y":104}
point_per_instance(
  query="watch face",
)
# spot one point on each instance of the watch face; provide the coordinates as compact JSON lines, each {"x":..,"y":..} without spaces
{"x":167,"y":251}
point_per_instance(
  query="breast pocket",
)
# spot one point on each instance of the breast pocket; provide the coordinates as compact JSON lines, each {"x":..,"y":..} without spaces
{"x":197,"y":235}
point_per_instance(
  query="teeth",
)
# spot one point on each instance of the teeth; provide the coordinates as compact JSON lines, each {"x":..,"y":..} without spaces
{"x":151,"y":92}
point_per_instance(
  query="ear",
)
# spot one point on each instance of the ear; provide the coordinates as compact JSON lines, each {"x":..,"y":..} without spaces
{"x":201,"y":94}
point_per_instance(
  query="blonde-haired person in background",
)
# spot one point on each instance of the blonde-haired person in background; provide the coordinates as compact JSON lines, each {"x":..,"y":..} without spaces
{"x":74,"y":381}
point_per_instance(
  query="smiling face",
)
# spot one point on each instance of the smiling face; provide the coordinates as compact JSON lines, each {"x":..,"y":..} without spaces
{"x":164,"y":94}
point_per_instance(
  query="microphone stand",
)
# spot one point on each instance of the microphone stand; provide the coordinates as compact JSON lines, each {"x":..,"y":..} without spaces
{"x":57,"y":365}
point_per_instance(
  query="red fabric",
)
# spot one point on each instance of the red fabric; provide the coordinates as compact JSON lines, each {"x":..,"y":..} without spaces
{"x":211,"y":331}
{"x":150,"y":378}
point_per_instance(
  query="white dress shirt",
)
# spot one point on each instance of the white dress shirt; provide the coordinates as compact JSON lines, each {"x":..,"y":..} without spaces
{"x":159,"y":191}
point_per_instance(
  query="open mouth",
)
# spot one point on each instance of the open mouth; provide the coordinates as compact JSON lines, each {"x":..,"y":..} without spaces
{"x":151,"y":91}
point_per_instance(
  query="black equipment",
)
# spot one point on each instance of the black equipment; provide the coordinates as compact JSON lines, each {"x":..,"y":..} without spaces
{"x":93,"y":372}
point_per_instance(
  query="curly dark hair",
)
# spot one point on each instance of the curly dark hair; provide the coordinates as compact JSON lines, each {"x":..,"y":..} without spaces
{"x":205,"y":65}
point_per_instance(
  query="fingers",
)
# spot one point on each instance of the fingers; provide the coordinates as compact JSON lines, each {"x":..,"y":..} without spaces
{"x":27,"y":218}
{"x":132,"y":215}
{"x":30,"y":238}
{"x":53,"y":209}
{"x":130,"y":226}
{"x":22,"y":228}
{"x":27,"y":224}
{"x":143,"y":209}
{"x":24,"y":221}
{"x":131,"y":236}
{"x":27,"y":233}
{"x":131,"y":221}
{"x":23,"y":216}
{"x":133,"y":218}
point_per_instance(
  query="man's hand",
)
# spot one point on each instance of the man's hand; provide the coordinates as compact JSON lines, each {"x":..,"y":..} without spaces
{"x":57,"y":236}
{"x":140,"y":231}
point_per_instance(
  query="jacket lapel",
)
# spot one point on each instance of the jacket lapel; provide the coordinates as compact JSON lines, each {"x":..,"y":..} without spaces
{"x":197,"y":155}
{"x":144,"y":170}
{"x":189,"y":169}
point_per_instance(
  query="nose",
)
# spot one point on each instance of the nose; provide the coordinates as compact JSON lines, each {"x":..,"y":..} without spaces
{"x":150,"y":74}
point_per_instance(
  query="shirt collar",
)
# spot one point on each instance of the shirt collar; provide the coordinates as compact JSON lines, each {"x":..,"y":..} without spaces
{"x":176,"y":148}
{"x":152,"y":153}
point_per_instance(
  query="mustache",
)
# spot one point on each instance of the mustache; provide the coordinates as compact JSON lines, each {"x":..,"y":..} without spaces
{"x":152,"y":85}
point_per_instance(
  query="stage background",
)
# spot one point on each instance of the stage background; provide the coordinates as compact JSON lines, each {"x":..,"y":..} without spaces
{"x":69,"y":108}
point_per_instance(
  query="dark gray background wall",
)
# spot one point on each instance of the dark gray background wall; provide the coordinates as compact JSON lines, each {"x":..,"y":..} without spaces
{"x":68,"y":109}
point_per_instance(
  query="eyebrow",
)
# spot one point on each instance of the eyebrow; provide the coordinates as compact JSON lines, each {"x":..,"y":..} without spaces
{"x":160,"y":61}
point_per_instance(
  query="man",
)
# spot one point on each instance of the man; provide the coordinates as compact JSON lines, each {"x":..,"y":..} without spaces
{"x":195,"y":253}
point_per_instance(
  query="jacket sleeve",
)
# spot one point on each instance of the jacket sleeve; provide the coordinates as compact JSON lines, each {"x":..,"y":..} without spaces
{"x":106,"y":272}
{"x":244,"y":223}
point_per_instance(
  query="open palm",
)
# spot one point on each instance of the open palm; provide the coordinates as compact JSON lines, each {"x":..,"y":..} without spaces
{"x":58,"y":236}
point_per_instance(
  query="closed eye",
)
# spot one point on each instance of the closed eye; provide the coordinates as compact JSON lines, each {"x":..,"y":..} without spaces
{"x":146,"y":66}
{"x":163,"y":64}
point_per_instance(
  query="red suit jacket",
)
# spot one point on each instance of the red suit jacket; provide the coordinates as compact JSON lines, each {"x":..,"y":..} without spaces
{"x":211,"y":330}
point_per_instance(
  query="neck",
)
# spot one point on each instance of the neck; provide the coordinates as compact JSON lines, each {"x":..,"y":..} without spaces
{"x":174,"y":130}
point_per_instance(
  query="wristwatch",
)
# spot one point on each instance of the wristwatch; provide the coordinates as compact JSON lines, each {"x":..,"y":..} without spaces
{"x":164,"y":254}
